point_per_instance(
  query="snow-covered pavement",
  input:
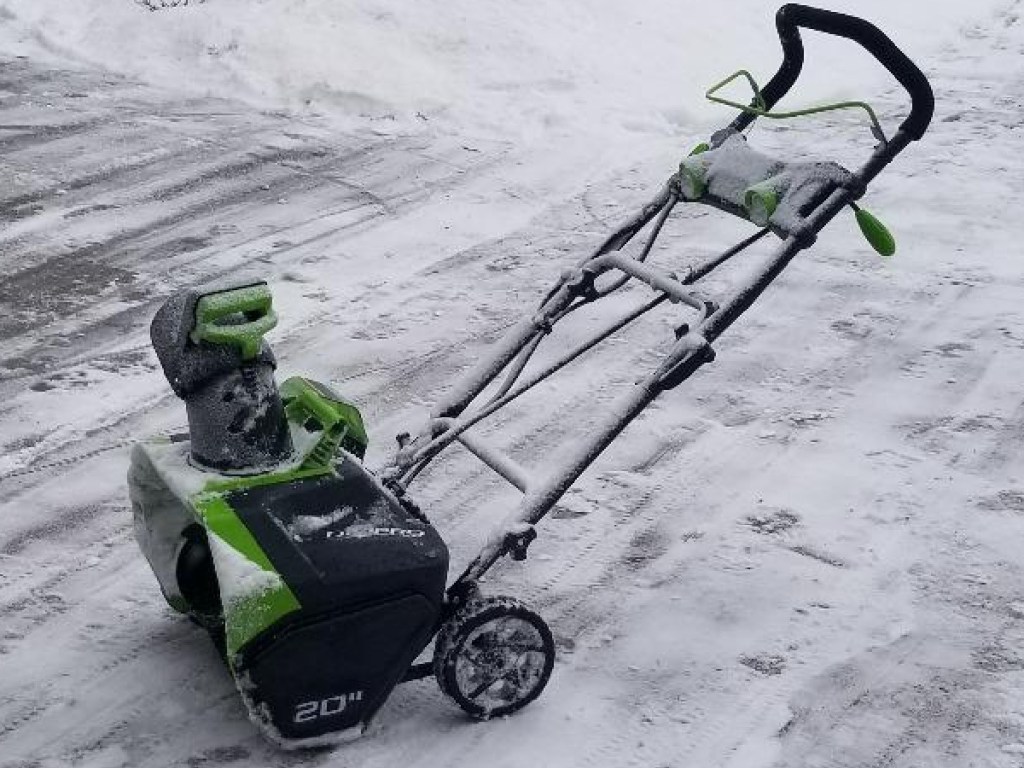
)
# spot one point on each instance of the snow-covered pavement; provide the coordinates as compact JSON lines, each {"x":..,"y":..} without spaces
{"x":806,"y":556}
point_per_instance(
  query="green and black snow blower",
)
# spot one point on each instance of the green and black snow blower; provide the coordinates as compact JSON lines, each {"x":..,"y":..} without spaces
{"x":321,"y":581}
{"x":319,"y":585}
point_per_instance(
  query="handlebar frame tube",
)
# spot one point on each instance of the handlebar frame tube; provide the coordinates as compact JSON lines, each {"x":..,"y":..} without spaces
{"x":510,"y":536}
{"x":788,"y":21}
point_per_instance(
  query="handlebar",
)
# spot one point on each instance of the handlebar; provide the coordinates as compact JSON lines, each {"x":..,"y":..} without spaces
{"x":792,"y":16}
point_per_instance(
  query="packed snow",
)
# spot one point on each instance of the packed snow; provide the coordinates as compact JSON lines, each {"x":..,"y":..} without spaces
{"x":529,"y":70}
{"x":808,"y":555}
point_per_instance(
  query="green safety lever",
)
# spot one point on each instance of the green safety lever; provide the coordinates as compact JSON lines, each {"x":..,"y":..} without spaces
{"x":758,"y":108}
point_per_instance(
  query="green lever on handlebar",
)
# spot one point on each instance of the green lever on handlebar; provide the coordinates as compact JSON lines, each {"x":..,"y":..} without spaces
{"x":875,"y":232}
{"x":239,"y":317}
{"x":757,"y":107}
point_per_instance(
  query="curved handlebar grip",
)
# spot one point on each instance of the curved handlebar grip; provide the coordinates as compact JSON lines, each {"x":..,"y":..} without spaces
{"x":792,"y":16}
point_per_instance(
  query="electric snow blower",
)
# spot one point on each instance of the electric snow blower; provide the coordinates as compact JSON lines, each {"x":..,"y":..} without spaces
{"x":321,"y":581}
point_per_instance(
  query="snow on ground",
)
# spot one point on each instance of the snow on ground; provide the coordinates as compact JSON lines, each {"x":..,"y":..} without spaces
{"x":528,"y":70}
{"x":807,"y":556}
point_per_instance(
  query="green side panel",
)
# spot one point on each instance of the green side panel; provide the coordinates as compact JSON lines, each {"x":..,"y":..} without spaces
{"x":245,"y":618}
{"x":239,"y":317}
{"x":876,"y":233}
{"x":218,"y":516}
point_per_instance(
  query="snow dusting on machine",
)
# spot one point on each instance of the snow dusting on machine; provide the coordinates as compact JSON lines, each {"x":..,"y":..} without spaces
{"x":322,"y":582}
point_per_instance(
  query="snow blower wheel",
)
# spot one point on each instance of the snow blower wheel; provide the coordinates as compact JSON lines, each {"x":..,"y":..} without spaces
{"x":493,"y":657}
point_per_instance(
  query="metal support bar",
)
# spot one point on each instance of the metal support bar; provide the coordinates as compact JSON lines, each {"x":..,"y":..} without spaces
{"x":493,"y":457}
{"x":729,"y":312}
{"x":691,"y":351}
{"x":658,"y":279}
{"x":438,"y":443}
{"x":506,"y":350}
{"x":688,"y":355}
{"x":543,"y":495}
{"x":416,"y":454}
{"x":523,"y":332}
{"x":666,"y":196}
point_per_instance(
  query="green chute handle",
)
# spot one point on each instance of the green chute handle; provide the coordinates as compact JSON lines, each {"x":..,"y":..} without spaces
{"x":238,"y":317}
{"x":875,"y":232}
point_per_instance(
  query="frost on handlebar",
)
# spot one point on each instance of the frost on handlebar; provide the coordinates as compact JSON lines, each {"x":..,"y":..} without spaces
{"x":771,"y":192}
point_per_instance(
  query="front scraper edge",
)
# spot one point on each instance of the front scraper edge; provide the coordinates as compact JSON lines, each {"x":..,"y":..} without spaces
{"x":322,"y":582}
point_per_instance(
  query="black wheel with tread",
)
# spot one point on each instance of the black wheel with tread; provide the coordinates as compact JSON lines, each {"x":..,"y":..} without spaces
{"x":493,"y":657}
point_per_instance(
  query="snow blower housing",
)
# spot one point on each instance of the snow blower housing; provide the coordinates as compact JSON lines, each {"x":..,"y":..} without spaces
{"x":321,"y":583}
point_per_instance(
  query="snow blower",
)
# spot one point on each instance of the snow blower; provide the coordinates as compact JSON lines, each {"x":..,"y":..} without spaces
{"x":322,"y":582}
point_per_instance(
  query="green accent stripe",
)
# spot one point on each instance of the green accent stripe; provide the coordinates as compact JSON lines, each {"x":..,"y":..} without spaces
{"x":218,"y":516}
{"x":247,"y":617}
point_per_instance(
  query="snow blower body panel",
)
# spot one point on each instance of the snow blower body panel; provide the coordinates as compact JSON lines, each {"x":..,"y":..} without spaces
{"x":367,"y":579}
{"x":324,"y":586}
